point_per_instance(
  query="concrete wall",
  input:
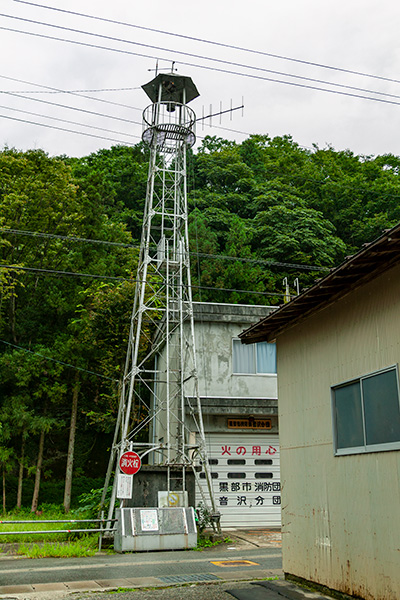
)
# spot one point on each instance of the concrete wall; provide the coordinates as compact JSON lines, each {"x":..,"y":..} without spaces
{"x":340,"y":514}
{"x":214,"y":359}
{"x":222,"y":393}
{"x":152,"y":479}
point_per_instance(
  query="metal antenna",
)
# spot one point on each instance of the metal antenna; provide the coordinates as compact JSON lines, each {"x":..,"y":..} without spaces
{"x":156,"y":69}
{"x":286,"y":296}
{"x":219,"y":113}
{"x":160,"y":370}
{"x":296,"y":284}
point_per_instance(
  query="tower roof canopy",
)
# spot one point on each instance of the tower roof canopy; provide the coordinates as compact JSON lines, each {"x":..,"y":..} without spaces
{"x":172,"y":88}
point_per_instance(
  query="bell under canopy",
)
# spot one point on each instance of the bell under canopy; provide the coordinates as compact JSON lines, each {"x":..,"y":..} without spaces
{"x":172,"y":88}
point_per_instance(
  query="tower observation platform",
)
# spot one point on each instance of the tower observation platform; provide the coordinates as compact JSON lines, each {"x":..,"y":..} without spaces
{"x":168,"y":120}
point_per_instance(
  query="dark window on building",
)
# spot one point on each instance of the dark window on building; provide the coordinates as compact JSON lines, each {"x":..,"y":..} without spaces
{"x":263,"y":461}
{"x":366,"y":413}
{"x":213,"y":475}
{"x":236,"y":475}
{"x":236,"y":461}
{"x":264,"y":475}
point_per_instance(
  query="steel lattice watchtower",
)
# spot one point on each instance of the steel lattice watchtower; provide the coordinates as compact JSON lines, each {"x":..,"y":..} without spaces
{"x":162,"y":317}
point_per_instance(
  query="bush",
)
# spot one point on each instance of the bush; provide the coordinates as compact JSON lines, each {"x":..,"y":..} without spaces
{"x":90,"y":502}
{"x":203,"y":517}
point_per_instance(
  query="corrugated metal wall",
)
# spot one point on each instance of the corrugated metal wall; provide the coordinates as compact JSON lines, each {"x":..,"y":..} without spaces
{"x":340,"y":515}
{"x":245,"y":476}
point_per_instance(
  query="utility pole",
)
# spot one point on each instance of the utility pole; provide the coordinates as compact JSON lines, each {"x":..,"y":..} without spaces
{"x":159,"y":389}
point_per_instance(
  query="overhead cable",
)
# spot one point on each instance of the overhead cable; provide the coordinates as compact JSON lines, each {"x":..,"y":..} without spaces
{"x":27,"y":112}
{"x":199,"y":56}
{"x":58,"y":272}
{"x":89,"y":112}
{"x":212,"y":42}
{"x":77,"y":91}
{"x":51,"y":90}
{"x":57,"y":90}
{"x":92,"y":135}
{"x":208,"y":68}
{"x":61,"y":362}
{"x":271,"y":263}
{"x":74,"y":274}
{"x":65,"y":237}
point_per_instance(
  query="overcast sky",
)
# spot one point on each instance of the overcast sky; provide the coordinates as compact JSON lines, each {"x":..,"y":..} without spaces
{"x":353,"y":35}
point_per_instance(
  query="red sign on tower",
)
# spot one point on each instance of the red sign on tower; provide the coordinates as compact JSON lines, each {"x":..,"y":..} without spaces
{"x":130,"y":463}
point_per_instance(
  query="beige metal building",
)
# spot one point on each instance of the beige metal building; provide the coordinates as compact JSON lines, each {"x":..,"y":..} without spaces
{"x":338,"y":351}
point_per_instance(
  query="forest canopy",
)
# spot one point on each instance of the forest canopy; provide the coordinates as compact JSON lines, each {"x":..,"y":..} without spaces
{"x":259,"y":212}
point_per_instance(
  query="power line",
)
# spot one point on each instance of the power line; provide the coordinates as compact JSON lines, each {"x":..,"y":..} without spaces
{"x":57,"y":272}
{"x":81,"y":110}
{"x":51,"y":90}
{"x":208,"y":68}
{"x":65,"y":237}
{"x":100,"y":137}
{"x":27,"y":112}
{"x":58,"y":361}
{"x":89,"y":112}
{"x":261,"y":261}
{"x":212,"y":42}
{"x":121,"y":89}
{"x":73,"y":274}
{"x":198,"y":56}
{"x":20,"y":92}
{"x":136,"y":247}
{"x":71,"y":92}
{"x":203,"y":287}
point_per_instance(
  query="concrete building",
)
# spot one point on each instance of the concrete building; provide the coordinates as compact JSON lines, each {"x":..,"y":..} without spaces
{"x":338,"y":347}
{"x":238,"y":392}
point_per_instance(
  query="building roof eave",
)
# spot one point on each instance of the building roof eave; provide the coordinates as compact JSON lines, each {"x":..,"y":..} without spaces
{"x":373,"y":259}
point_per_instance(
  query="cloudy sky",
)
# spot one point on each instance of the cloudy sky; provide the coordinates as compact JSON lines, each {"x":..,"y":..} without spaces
{"x":343,"y":35}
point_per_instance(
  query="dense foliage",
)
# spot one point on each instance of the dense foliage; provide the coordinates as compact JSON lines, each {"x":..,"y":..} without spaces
{"x":259,"y":211}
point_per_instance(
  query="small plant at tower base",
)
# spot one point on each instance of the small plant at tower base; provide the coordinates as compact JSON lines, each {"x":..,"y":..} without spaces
{"x":203,"y":518}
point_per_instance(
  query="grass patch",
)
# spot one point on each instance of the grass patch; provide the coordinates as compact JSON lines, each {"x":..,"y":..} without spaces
{"x":86,"y":546}
{"x":206,"y":542}
{"x":43,"y":543}
{"x":49,"y":512}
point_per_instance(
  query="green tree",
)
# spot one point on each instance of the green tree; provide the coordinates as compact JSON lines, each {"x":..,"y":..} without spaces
{"x":37,"y":312}
{"x":117,"y":177}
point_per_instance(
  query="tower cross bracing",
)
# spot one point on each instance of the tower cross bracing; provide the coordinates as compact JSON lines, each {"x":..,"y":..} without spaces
{"x":159,"y":390}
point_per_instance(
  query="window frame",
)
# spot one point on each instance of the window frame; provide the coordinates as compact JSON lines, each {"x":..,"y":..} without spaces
{"x":365,"y":448}
{"x":254,"y":348}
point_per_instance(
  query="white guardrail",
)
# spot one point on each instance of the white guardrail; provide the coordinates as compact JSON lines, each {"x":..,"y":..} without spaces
{"x":100,"y":530}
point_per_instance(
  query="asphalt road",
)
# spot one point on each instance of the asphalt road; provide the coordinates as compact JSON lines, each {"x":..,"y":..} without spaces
{"x":214,"y":591}
{"x":160,"y":565}
{"x":274,"y":590}
{"x":52,"y":578}
{"x":219,"y":573}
